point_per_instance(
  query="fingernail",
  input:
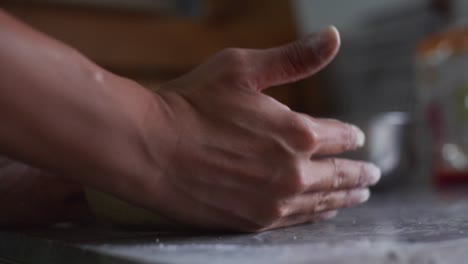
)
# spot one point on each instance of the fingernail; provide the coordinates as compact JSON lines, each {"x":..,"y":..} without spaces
{"x":359,"y":137}
{"x":374,"y":173}
{"x":361,"y":196}
{"x":333,"y":31}
{"x":329,"y":215}
{"x":327,"y":40}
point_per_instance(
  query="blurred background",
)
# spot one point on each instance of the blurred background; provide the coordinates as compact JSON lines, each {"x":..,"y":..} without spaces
{"x":392,"y":50}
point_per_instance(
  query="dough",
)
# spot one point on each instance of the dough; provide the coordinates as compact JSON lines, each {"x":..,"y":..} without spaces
{"x":109,"y":209}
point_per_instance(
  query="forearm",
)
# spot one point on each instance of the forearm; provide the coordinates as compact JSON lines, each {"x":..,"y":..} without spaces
{"x":61,"y":112}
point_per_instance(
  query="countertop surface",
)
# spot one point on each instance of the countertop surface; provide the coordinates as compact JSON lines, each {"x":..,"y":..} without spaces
{"x":425,"y":227}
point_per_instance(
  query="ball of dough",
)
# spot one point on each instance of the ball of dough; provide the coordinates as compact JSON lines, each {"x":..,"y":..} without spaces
{"x":109,"y":209}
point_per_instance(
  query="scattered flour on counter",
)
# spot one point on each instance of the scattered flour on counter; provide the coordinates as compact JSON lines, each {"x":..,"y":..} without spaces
{"x":358,"y":252}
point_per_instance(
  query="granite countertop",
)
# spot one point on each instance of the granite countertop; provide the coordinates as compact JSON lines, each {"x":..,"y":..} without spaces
{"x":426,"y":227}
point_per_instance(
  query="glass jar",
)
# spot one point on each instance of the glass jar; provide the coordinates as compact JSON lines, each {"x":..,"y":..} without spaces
{"x":442,"y":75}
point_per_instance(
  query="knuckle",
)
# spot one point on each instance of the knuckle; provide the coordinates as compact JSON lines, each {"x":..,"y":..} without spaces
{"x":236,"y":63}
{"x":270,"y":213}
{"x":319,"y":202}
{"x":361,"y":178}
{"x":293,"y":180}
{"x":265,"y":221}
{"x":236,"y":59}
{"x":339,"y":178}
{"x":235,"y":56}
{"x":324,"y":202}
{"x":348,"y":137}
{"x":276,"y":211}
{"x":302,"y":137}
{"x":338,"y":173}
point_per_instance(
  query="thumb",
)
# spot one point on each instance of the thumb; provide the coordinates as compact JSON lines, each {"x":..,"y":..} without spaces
{"x":294,"y":61}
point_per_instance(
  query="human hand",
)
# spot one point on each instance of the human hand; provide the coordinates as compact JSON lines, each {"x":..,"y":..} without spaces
{"x":234,"y":158}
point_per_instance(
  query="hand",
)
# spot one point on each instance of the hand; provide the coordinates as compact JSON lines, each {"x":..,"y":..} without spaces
{"x":209,"y":149}
{"x":234,"y":158}
{"x":29,"y":196}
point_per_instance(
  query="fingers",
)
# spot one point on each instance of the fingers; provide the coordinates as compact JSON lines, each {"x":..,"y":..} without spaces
{"x":259,"y":69}
{"x":339,"y":174}
{"x":334,"y":137}
{"x":315,"y":207}
{"x":313,"y":203}
{"x":294,"y":61}
{"x":298,"y":219}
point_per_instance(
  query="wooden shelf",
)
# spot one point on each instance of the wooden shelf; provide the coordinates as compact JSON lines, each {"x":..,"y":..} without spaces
{"x":152,"y":48}
{"x":133,"y":40}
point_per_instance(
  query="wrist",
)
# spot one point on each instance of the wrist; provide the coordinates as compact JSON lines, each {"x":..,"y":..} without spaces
{"x":134,"y":160}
